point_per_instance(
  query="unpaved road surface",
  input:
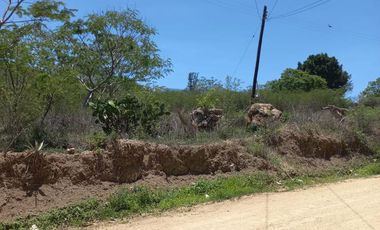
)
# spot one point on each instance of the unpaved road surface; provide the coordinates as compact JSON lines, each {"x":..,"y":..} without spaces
{"x":353,"y":204}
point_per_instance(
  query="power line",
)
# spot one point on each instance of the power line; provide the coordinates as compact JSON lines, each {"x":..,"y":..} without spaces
{"x":302,"y":9}
{"x":245,"y":51}
{"x":328,"y":29}
{"x":273,"y":7}
{"x":257,"y":9}
{"x":305,"y":7}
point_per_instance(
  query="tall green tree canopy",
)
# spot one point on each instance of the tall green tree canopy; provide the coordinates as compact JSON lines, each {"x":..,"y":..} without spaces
{"x":328,"y":68}
{"x":33,"y":77}
{"x":110,"y":47}
{"x":297,"y":80}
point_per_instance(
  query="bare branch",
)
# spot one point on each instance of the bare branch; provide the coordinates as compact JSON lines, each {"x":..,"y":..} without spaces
{"x":9,"y":11}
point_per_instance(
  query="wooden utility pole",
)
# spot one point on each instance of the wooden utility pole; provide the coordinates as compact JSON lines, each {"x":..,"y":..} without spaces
{"x":254,"y":86}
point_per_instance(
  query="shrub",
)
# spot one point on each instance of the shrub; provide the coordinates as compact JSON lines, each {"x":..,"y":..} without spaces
{"x":208,"y":99}
{"x":125,"y":116}
{"x":371,"y":95}
{"x":299,"y":101}
{"x":367,"y":120}
{"x":297,"y":80}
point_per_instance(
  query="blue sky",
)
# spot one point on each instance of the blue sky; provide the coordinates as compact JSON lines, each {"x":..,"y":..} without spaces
{"x":210,"y":36}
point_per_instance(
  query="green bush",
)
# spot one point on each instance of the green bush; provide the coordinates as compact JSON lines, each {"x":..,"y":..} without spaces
{"x":297,"y":80}
{"x":367,"y":120}
{"x":125,"y":116}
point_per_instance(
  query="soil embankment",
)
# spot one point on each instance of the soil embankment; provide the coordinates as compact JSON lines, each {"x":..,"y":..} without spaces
{"x":31,"y":184}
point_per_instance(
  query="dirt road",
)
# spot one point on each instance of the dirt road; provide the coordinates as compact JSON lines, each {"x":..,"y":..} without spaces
{"x":353,"y":204}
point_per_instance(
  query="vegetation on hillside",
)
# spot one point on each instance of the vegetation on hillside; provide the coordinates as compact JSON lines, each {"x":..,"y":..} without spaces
{"x":70,"y":82}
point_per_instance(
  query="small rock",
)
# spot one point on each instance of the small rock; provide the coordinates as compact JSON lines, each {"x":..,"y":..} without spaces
{"x":70,"y":150}
{"x":34,"y":227}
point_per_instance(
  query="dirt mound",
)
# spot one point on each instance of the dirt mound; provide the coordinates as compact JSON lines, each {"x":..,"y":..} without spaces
{"x":291,"y":140}
{"x":26,"y":180}
{"x":57,"y":180}
{"x":123,"y":161}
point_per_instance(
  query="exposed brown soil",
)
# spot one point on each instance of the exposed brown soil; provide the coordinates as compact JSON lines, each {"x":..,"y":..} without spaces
{"x":30,"y":184}
{"x":312,"y":144}
{"x":59,"y":179}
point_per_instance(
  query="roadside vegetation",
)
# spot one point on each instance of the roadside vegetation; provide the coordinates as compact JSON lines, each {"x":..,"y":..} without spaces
{"x":142,"y":200}
{"x":82,"y":83}
{"x":75,"y":83}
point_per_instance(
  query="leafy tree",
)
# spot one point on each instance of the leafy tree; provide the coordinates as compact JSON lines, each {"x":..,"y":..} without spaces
{"x":32,"y":76}
{"x":111,"y":47}
{"x":373,"y":89}
{"x":371,"y":95}
{"x":328,"y":68}
{"x":125,"y":116}
{"x":205,"y":84}
{"x":297,"y":80}
{"x":37,"y":11}
{"x":232,"y":84}
{"x":17,"y":101}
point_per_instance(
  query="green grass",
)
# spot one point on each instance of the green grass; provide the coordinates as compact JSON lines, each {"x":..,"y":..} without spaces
{"x":144,"y":200}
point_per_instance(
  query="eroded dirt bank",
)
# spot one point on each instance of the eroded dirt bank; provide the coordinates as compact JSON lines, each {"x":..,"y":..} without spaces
{"x":125,"y":162}
{"x":57,"y":180}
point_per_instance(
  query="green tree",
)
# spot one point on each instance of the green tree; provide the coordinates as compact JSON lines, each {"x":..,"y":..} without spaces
{"x":373,"y":89}
{"x":205,"y":84}
{"x":371,"y":95}
{"x":36,"y":11}
{"x":232,"y":84}
{"x":297,"y":80}
{"x":32,"y":75}
{"x":111,"y":47}
{"x":328,"y":68}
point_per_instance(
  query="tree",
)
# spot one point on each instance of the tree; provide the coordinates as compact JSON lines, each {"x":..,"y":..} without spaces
{"x":295,"y":80}
{"x":232,"y":84}
{"x":328,"y":68}
{"x":32,"y":75}
{"x":373,"y":89}
{"x":42,"y":10}
{"x":205,"y":84}
{"x":111,"y":47}
{"x":371,"y":95}
{"x":10,"y":10}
